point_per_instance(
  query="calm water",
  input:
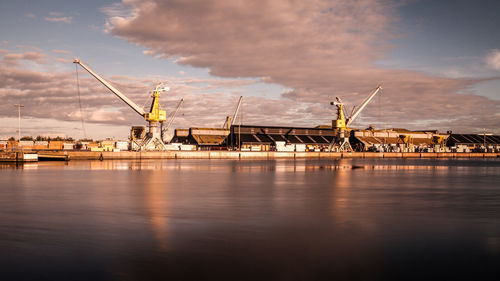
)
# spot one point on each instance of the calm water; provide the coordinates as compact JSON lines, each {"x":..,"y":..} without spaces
{"x":251,"y":220}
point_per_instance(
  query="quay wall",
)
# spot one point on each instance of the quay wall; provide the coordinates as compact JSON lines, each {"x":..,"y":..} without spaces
{"x":135,"y":155}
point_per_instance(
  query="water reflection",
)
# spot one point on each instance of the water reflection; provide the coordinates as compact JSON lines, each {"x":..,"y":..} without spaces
{"x":157,"y":206}
{"x":277,"y":166}
{"x":253,"y":220}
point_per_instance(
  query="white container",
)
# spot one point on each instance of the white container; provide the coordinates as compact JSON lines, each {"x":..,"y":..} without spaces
{"x":26,"y":143}
{"x":173,"y":146}
{"x":68,"y":146}
{"x":300,"y":147}
{"x":30,"y":156}
{"x":188,"y":147}
{"x":122,"y":145}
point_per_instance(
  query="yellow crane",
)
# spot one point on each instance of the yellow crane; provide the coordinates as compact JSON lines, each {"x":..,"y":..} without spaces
{"x":341,"y":124}
{"x":156,"y":117}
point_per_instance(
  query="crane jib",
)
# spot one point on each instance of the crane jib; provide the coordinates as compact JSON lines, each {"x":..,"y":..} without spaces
{"x":363,"y":105}
{"x":115,"y":91}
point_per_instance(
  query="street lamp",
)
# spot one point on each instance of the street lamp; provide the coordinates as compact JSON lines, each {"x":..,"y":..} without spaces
{"x":19,"y":124}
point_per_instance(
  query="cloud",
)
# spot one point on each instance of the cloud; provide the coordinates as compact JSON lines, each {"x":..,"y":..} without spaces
{"x":30,"y":16}
{"x":318,"y":49}
{"x":118,"y":10}
{"x":57,"y":51}
{"x":58,"y":17}
{"x":53,"y":95}
{"x":493,"y":59}
{"x":15,"y":58}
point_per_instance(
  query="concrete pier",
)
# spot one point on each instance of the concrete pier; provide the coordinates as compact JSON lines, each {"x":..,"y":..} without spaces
{"x":18,"y":156}
{"x":135,"y":155}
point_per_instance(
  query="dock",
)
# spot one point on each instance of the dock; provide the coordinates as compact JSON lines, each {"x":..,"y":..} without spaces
{"x":18,"y":156}
{"x":269,"y":155}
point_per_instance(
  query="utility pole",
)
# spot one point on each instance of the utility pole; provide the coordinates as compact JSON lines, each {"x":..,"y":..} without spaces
{"x":19,"y":120}
{"x":484,"y":140}
{"x":239,"y":135}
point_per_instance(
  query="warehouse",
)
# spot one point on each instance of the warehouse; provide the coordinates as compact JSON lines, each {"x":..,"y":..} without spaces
{"x":266,"y":138}
{"x":203,"y":138}
{"x":398,"y":140}
{"x":473,"y":142}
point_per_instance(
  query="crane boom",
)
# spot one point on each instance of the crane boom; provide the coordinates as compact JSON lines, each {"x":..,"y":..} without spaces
{"x":362,"y":106}
{"x":229,"y":121}
{"x":236,"y":111}
{"x":115,"y":91}
{"x":173,"y":116}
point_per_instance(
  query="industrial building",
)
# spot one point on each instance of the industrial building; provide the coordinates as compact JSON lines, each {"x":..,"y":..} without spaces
{"x":266,"y":138}
{"x":473,"y":142}
{"x":203,"y":138}
{"x":398,"y":140}
{"x":256,"y":138}
{"x":282,"y":138}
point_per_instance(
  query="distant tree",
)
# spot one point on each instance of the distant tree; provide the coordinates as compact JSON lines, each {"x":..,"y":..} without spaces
{"x":12,"y":139}
{"x":59,"y":138}
{"x":40,"y":138}
{"x":27,"y":138}
{"x":85,"y":140}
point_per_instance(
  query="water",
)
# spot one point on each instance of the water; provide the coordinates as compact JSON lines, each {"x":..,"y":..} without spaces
{"x":359,"y":219}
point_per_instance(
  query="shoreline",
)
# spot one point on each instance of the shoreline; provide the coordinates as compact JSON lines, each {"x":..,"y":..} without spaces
{"x":20,"y":156}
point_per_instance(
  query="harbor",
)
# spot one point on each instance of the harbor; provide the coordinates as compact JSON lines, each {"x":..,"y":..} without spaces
{"x":242,"y":141}
{"x":269,"y":155}
{"x":249,"y":140}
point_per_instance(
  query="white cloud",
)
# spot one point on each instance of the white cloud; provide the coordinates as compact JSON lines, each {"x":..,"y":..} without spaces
{"x":318,"y":49}
{"x":67,"y":19}
{"x":15,"y":58}
{"x":493,"y":59}
{"x":119,"y":10}
{"x":59,"y":51}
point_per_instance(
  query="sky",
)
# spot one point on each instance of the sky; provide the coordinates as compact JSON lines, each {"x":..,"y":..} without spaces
{"x":437,"y":61}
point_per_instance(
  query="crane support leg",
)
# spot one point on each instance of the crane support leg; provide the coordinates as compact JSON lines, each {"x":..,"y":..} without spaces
{"x":153,"y":139}
{"x":341,"y":143}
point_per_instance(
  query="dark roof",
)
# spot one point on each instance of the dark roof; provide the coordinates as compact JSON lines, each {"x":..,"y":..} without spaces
{"x":271,"y":134}
{"x":293,"y":139}
{"x":263,"y":138}
{"x":277,"y":138}
{"x":320,"y":139}
{"x":274,"y":130}
{"x":472,"y":139}
{"x":246,"y":138}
